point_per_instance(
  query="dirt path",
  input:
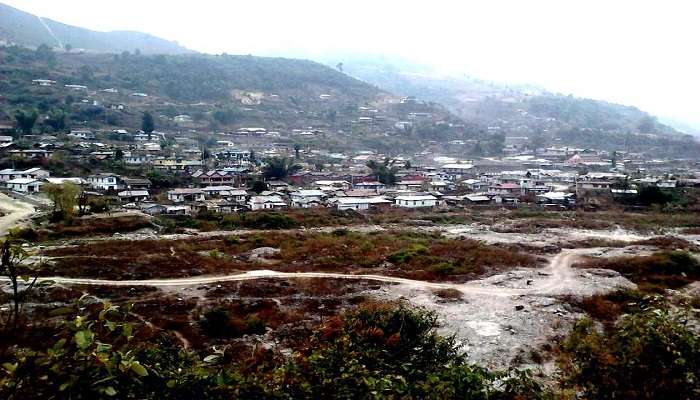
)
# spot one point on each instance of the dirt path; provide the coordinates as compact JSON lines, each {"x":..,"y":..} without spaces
{"x":558,"y":276}
{"x":15,"y":211}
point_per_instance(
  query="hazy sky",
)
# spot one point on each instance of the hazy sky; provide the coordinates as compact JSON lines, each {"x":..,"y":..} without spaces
{"x":642,"y":53}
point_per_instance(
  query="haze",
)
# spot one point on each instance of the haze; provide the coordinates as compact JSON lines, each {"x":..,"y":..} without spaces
{"x":632,"y":52}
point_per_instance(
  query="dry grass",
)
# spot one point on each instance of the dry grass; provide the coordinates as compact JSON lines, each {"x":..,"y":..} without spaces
{"x":413,"y":255}
{"x":653,"y":273}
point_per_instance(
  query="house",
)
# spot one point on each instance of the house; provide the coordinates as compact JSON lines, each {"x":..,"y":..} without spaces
{"x":104,"y":182}
{"x":82,"y":134}
{"x":558,"y":198}
{"x":133,"y":196}
{"x":332,"y":184}
{"x":177,"y":210}
{"x":34,"y":173}
{"x":218,"y":177}
{"x":185,"y":194}
{"x":457,"y":170}
{"x":416,"y":200}
{"x":372,"y":185}
{"x":136,"y":183}
{"x":307,"y":198}
{"x":507,"y":189}
{"x":410,"y":185}
{"x":360,"y":203}
{"x":173,"y":164}
{"x":24,"y":185}
{"x":228,"y":192}
{"x":475,"y":199}
{"x":473,"y":184}
{"x":266,"y":203}
{"x":31,"y":154}
{"x":152,"y":208}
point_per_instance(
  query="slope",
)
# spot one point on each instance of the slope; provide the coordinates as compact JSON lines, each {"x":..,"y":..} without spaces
{"x":19,"y":27}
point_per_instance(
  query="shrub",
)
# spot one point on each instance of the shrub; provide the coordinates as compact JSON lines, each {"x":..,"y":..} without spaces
{"x":651,"y":354}
{"x":406,"y":255}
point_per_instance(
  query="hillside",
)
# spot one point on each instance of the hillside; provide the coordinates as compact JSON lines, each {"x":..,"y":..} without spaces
{"x":26,"y":29}
{"x":523,"y":110}
{"x":217,"y":94}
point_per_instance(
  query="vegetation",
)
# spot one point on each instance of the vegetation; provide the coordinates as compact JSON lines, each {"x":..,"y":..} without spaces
{"x":280,"y":168}
{"x":384,"y":172}
{"x":666,"y":269}
{"x":147,"y":124}
{"x":378,"y":351}
{"x":64,"y":198}
{"x":650,"y":354}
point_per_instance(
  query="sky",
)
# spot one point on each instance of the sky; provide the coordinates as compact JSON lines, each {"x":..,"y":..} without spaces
{"x":642,"y":53}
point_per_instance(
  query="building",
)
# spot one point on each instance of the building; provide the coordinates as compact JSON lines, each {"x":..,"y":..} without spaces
{"x":33,"y":173}
{"x":104,"y":182}
{"x":136,"y":183}
{"x":24,"y":185}
{"x":218,"y":177}
{"x":360,"y":203}
{"x":185,"y":194}
{"x":307,"y":198}
{"x":266,"y":203}
{"x":133,"y":196}
{"x":416,"y":201}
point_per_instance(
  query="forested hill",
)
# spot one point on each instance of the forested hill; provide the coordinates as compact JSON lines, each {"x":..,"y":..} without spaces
{"x":19,"y":27}
{"x":524,"y":110}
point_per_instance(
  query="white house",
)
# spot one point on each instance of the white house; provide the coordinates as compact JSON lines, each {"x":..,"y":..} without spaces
{"x":307,"y":198}
{"x":24,"y":185}
{"x":266,"y":203}
{"x":34,"y":173}
{"x":185,"y":194}
{"x":82,"y":134}
{"x":103,"y":182}
{"x":360,"y":203}
{"x":416,"y":201}
{"x":133,"y":196}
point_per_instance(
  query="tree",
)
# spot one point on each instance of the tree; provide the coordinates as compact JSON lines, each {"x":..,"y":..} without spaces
{"x":385,"y":173}
{"x":147,"y":124}
{"x":68,"y":47}
{"x":12,"y":256}
{"x":297,"y":147}
{"x":56,"y":120}
{"x":280,"y":168}
{"x":64,"y":198}
{"x":258,"y":186}
{"x":26,"y":121}
{"x":119,"y":155}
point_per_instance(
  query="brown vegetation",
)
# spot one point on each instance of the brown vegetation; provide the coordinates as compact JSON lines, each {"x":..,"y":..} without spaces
{"x":413,"y":255}
{"x":653,"y":273}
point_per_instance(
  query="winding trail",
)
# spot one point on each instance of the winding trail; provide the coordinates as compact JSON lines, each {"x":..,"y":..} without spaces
{"x":558,"y":276}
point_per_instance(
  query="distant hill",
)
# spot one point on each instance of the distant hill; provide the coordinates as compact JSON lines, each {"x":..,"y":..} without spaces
{"x":522,"y":110}
{"x":19,"y":27}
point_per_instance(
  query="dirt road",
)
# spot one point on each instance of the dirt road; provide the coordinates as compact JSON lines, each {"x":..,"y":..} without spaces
{"x":558,"y":276}
{"x":15,"y":212}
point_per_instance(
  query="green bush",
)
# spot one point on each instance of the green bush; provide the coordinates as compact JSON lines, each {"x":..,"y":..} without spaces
{"x":651,"y":354}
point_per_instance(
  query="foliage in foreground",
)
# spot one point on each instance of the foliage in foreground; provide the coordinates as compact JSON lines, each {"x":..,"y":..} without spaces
{"x":651,"y":354}
{"x":375,"y":352}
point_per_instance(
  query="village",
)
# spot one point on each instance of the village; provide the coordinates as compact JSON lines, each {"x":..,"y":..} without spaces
{"x":137,"y":173}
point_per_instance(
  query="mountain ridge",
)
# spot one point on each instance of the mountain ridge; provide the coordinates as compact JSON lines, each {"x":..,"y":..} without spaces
{"x":26,"y":29}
